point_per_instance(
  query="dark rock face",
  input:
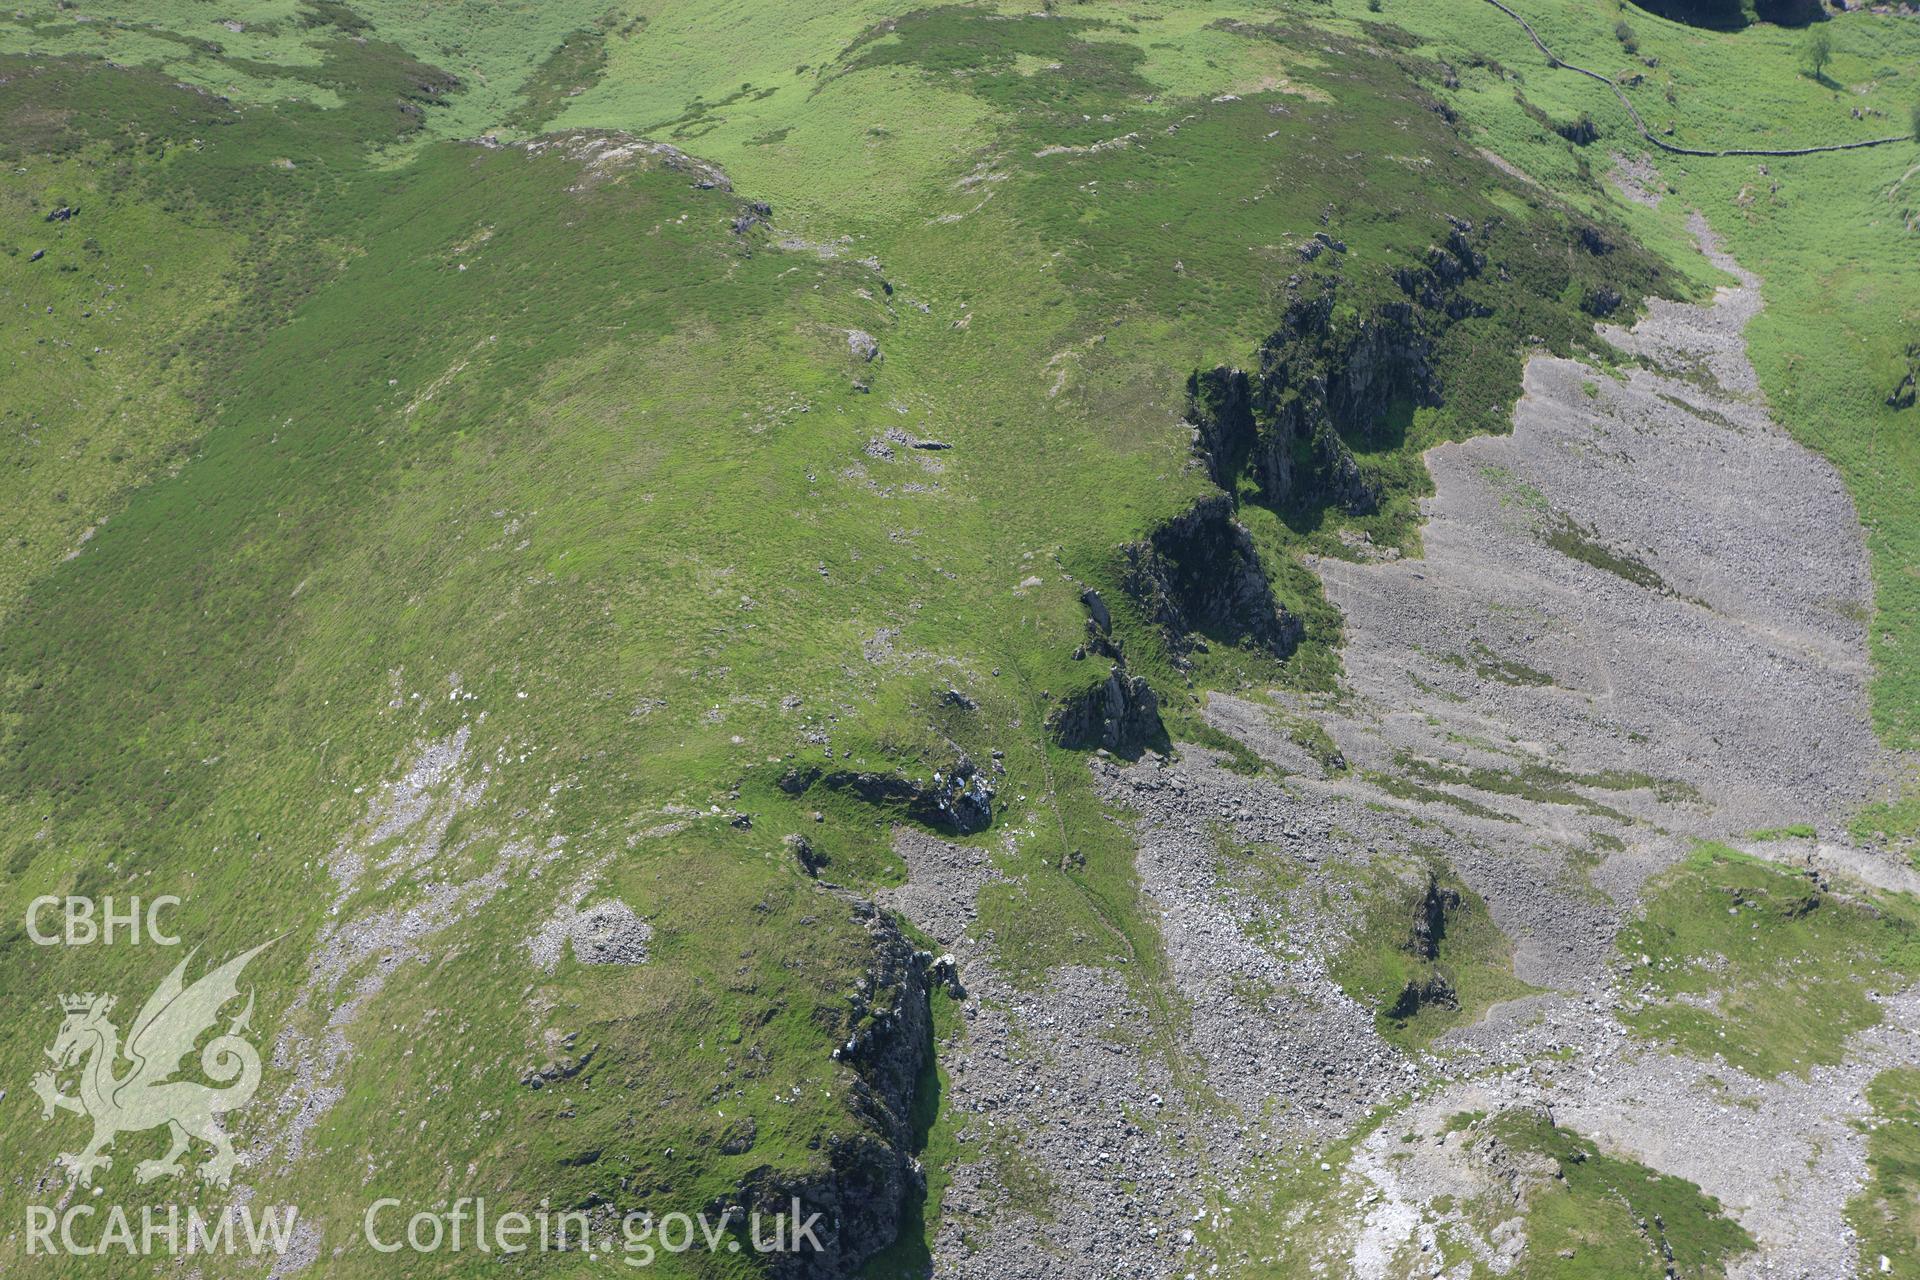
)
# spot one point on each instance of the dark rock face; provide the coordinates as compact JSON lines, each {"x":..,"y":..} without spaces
{"x":861,"y":1187}
{"x":1580,"y":132}
{"x":739,"y":1137}
{"x":1339,"y":474}
{"x":1430,"y":912}
{"x":1220,"y":406}
{"x":1199,"y":573}
{"x":1318,"y":380}
{"x":962,"y":798}
{"x":1601,"y":302}
{"x":1436,"y":285}
{"x":1325,"y":380}
{"x":1099,"y":617}
{"x":1120,"y":713}
{"x":1315,"y":368}
{"x":1430,"y":989}
{"x":958,"y":799}
{"x":1431,"y":909}
{"x":1909,"y":388}
{"x":811,"y":860}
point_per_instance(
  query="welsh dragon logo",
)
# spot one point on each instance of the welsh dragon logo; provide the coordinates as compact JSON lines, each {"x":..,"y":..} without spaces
{"x":144,"y":1095}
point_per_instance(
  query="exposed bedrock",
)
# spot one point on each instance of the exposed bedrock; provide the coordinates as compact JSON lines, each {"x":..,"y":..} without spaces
{"x":1324,"y":378}
{"x":1637,"y":620}
{"x":1199,"y":575}
{"x":865,"y":1181}
{"x":958,"y":798}
{"x":1119,"y":713}
{"x":1119,"y":710}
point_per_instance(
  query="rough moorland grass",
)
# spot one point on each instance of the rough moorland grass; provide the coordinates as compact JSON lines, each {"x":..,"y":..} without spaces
{"x":95,"y":393}
{"x":1797,"y":831}
{"x":1740,"y":959}
{"x":198,"y":700}
{"x":1886,"y":1211}
{"x":1544,"y":783}
{"x":1603,"y":1216}
{"x":268,"y":51}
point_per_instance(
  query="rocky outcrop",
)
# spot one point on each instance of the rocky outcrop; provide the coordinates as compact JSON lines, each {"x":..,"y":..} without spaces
{"x":1120,"y":712}
{"x":1327,"y":381}
{"x":1904,"y":394}
{"x":811,"y":860}
{"x":1436,"y":283}
{"x":606,"y":154}
{"x":1316,"y":380}
{"x":1198,"y":574}
{"x":1339,"y":476}
{"x":958,"y":799}
{"x":866,"y":1179}
{"x":1430,"y":912}
{"x":1324,"y":377}
{"x":1727,"y":15}
{"x":1429,"y":989}
{"x":1220,"y":408}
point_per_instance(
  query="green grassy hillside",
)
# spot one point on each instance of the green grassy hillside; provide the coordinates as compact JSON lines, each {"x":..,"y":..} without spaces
{"x":381,"y":397}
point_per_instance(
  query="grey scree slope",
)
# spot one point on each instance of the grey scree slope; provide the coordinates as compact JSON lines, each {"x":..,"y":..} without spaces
{"x":1735,"y":664}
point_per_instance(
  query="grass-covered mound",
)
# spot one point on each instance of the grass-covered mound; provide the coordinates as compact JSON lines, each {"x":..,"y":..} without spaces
{"x":1759,"y":964}
{"x":1604,"y":1216}
{"x":1426,"y":955}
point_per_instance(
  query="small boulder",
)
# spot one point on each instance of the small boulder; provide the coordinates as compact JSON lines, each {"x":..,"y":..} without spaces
{"x":811,"y":860}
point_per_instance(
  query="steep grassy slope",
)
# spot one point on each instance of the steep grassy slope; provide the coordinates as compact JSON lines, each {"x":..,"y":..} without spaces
{"x":1884,"y":1212}
{"x":288,"y":616}
{"x":561,"y":487}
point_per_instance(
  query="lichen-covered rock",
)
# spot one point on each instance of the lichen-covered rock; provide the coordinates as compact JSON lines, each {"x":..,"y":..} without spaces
{"x":963,"y":797}
{"x":610,"y":933}
{"x":605,"y":154}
